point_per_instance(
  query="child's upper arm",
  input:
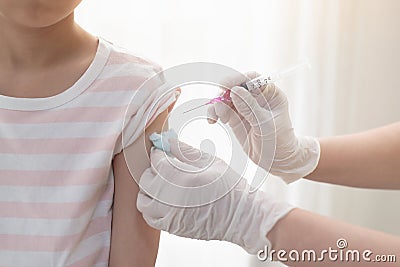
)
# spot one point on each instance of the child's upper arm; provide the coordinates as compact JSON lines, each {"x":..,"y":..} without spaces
{"x":133,"y":242}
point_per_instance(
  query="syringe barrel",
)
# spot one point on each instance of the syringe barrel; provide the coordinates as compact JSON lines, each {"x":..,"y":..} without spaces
{"x":262,"y":81}
{"x":257,"y":83}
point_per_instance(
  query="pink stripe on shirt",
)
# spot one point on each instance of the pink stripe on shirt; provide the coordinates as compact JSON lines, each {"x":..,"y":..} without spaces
{"x":46,"y":210}
{"x":53,"y":178}
{"x":58,"y":146}
{"x":52,"y":243}
{"x":100,"y":256}
{"x":126,"y":83}
{"x":78,"y":114}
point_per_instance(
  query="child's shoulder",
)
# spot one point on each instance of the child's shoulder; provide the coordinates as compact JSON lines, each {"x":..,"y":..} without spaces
{"x":124,"y":57}
{"x":124,"y":70}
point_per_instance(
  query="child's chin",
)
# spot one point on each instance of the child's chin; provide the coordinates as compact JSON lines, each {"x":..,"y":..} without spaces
{"x":33,"y":21}
{"x":37,"y":13}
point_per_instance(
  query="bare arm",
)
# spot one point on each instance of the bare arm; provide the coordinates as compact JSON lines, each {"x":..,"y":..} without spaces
{"x":302,"y":230}
{"x":133,"y":242}
{"x":369,"y":159}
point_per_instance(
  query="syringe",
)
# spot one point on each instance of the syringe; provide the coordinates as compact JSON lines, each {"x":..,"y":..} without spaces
{"x":261,"y":81}
{"x":258,"y":83}
{"x":224,"y":98}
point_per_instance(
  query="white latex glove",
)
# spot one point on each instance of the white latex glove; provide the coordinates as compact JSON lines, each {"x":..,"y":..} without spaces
{"x":265,"y":117}
{"x":239,"y":217}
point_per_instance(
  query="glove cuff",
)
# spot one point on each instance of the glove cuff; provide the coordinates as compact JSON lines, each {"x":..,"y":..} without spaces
{"x":259,"y":216}
{"x":301,"y":163}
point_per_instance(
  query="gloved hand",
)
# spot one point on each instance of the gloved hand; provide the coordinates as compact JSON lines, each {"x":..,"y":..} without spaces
{"x":238,"y":216}
{"x":265,"y":117}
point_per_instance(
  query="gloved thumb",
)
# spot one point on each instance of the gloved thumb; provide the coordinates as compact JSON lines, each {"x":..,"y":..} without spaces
{"x":247,"y":106}
{"x":188,"y":154}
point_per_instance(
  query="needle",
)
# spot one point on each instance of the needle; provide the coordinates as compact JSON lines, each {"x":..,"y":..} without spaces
{"x":224,"y":98}
{"x":196,"y":107}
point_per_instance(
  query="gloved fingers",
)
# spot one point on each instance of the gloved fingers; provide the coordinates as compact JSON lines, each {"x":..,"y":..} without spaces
{"x":262,"y":95}
{"x":147,"y":176}
{"x":211,"y":115}
{"x":267,"y":96}
{"x":158,"y":159}
{"x":238,"y":79}
{"x":270,"y":91}
{"x":248,"y":107}
{"x":152,"y":211}
{"x":166,"y":166}
{"x":170,"y":181}
{"x":151,"y":208}
{"x":238,"y":124}
{"x":240,"y":127}
{"x":274,"y":96}
{"x":189,"y":155}
{"x":150,"y":185}
{"x":223,"y":111}
{"x":252,"y":74}
{"x":220,"y":110}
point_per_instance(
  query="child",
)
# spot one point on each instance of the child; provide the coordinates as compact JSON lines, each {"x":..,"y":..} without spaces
{"x":63,"y":100}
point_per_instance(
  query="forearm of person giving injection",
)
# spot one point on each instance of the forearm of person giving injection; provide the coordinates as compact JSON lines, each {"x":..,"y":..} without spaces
{"x":254,"y":221}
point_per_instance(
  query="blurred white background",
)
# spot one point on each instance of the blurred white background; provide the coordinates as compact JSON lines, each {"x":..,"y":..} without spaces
{"x":354,"y":84}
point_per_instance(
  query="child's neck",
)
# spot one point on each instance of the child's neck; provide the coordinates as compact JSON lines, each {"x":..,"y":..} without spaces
{"x":43,"y":62}
{"x":34,"y":47}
